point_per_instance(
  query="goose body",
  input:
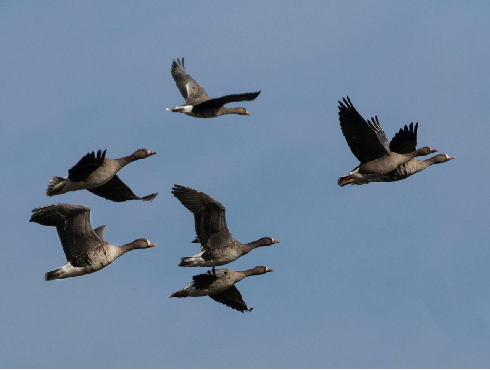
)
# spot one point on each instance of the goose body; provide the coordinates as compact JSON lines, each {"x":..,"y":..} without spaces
{"x":225,"y":254}
{"x":97,"y":174}
{"x":218,"y":247}
{"x":220,"y":286}
{"x":411,"y":167}
{"x":198,"y":103}
{"x":369,"y":144}
{"x":85,"y":249}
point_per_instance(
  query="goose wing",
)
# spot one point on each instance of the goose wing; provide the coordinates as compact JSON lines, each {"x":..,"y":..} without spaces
{"x":117,"y":191}
{"x":366,"y":139}
{"x":73,"y":225}
{"x":219,"y":102}
{"x":85,"y":166}
{"x":190,"y":89}
{"x":231,"y":297}
{"x":405,"y":140}
{"x":209,"y":216}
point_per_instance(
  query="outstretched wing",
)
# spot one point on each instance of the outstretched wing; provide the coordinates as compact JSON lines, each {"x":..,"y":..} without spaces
{"x":366,"y":139}
{"x":219,"y":102}
{"x":85,"y":166}
{"x":190,"y":89}
{"x":118,"y":191}
{"x":209,"y":216}
{"x":405,"y":140}
{"x":73,"y":225}
{"x":232,"y":298}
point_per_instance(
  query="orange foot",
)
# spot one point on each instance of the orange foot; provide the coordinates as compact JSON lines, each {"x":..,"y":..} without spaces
{"x":343,"y":183}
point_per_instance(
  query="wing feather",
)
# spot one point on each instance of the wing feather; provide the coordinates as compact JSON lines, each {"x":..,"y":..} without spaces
{"x":405,"y":140}
{"x":231,"y":297}
{"x":209,"y":216}
{"x":190,"y":89}
{"x":73,"y":225}
{"x":366,"y":139}
{"x":85,"y":166}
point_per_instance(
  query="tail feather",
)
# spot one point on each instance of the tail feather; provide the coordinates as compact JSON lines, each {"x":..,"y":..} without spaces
{"x":149,"y":198}
{"x":56,"y":184}
{"x":184,"y":292}
{"x":187,"y":261}
{"x":52,"y":275}
{"x":182,"y":108}
{"x":179,"y":294}
{"x":344,"y":180}
{"x":178,"y":109}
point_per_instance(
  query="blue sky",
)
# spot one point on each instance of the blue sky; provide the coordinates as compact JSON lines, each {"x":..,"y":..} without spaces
{"x":383,"y":275}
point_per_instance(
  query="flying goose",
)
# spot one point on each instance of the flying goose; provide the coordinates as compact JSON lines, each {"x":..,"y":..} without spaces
{"x":197,"y":102}
{"x":368,"y":143}
{"x":220,"y":286}
{"x":85,"y":249}
{"x":97,"y":174}
{"x":218,"y":247}
{"x":412,"y":166}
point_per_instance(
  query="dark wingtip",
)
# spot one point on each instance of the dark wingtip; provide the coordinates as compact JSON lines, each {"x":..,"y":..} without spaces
{"x":184,"y":263}
{"x":149,"y":198}
{"x":344,"y":180}
{"x":176,"y":64}
{"x":253,"y":96}
{"x":100,"y":155}
{"x":346,"y":104}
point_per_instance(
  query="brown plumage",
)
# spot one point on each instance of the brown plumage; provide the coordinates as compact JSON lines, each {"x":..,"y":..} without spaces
{"x":198,"y":103}
{"x":369,"y":144}
{"x":97,"y":174}
{"x":220,"y":286}
{"x":218,"y":247}
{"x":85,"y":249}
{"x":410,"y":168}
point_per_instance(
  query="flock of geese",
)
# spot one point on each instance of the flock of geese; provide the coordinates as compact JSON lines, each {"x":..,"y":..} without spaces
{"x":86,"y":251}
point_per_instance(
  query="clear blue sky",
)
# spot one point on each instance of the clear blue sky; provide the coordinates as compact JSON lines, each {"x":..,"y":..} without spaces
{"x":383,"y":275}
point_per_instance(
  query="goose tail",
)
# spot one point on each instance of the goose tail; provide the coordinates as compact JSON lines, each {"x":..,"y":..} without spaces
{"x":182,"y":293}
{"x":182,"y":109}
{"x":53,"y":275}
{"x":190,"y":261}
{"x":55,"y":186}
{"x":344,"y":180}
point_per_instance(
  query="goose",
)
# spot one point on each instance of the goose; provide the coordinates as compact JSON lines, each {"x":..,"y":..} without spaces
{"x":368,"y":143}
{"x":97,"y":174}
{"x":220,"y":286}
{"x":218,"y":247}
{"x":407,"y":169}
{"x":197,"y":102}
{"x":85,"y":249}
